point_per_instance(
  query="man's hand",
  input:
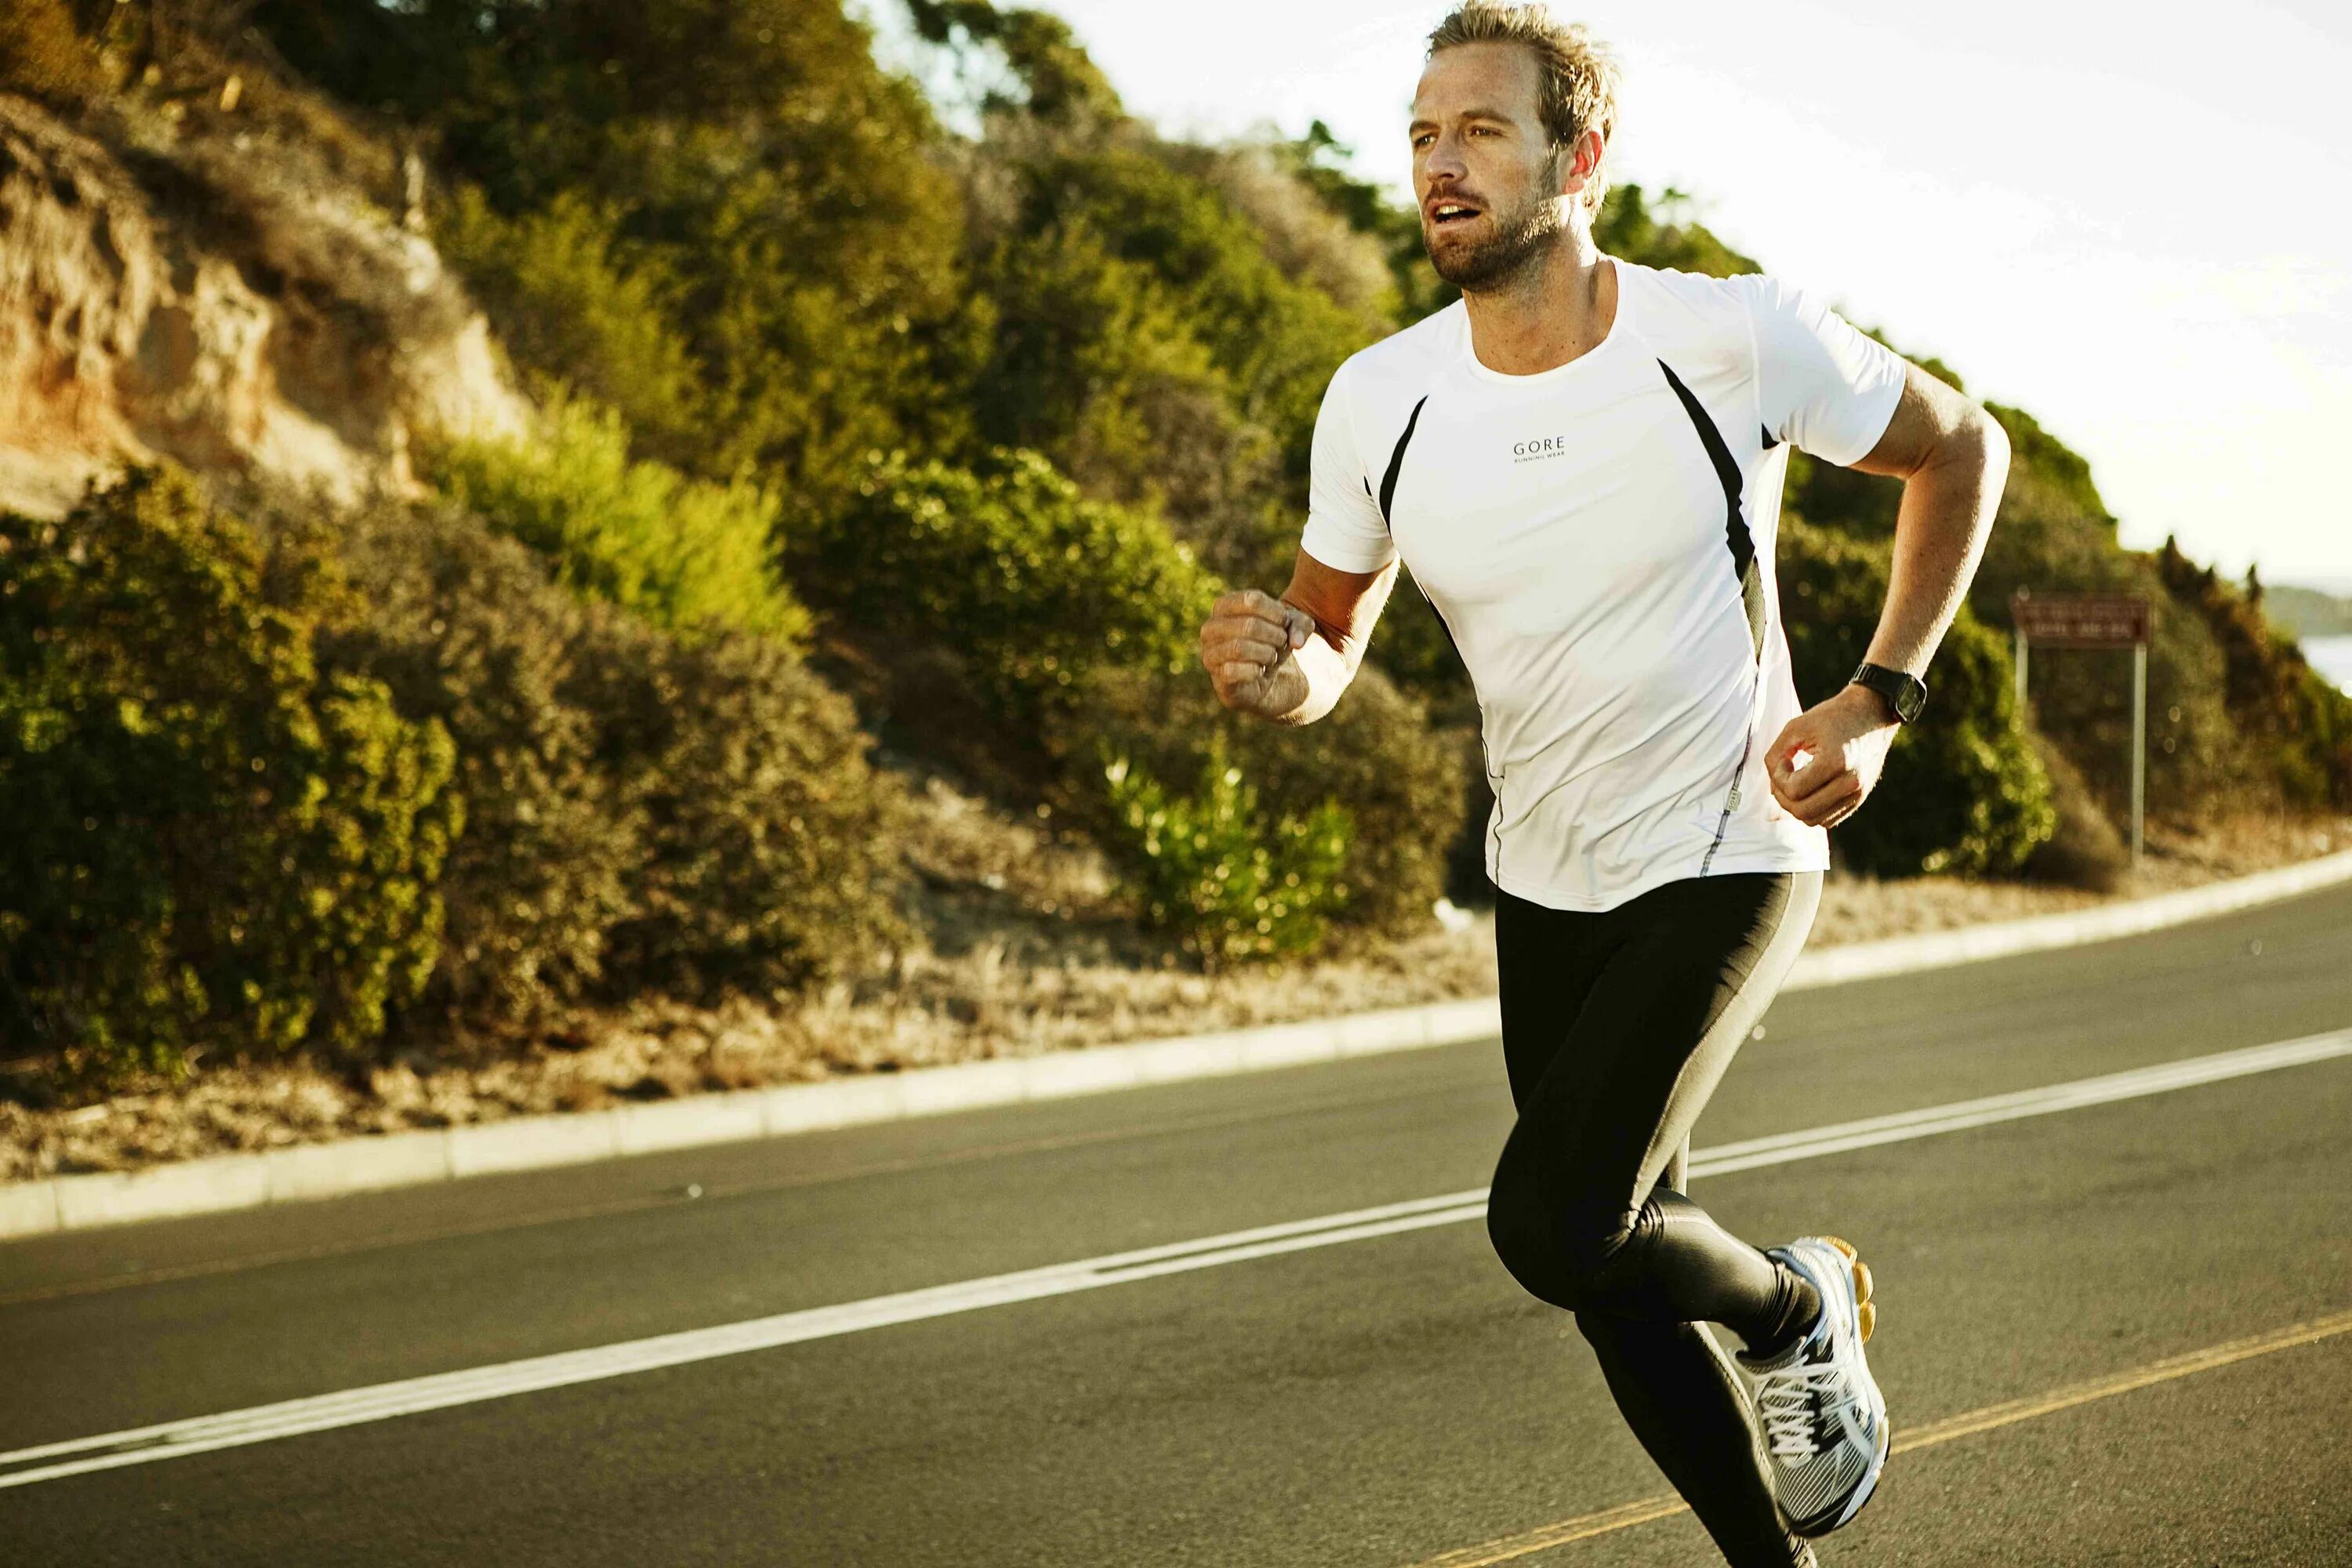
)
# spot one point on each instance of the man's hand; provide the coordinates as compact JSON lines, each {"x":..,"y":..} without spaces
{"x":1249,"y":646}
{"x":1844,"y":743}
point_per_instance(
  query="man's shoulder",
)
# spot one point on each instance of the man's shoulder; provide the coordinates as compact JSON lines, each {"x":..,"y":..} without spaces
{"x":1407,"y":357}
{"x":1694,"y":298}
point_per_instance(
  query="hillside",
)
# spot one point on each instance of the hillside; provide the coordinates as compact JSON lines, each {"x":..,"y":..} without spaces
{"x":631,"y":516}
{"x":2308,"y":612}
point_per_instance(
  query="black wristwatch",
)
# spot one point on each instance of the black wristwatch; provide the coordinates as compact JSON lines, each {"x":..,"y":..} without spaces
{"x":1906,"y":694}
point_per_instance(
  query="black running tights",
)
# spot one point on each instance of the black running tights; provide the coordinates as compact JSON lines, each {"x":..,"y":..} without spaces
{"x":1616,"y":1027}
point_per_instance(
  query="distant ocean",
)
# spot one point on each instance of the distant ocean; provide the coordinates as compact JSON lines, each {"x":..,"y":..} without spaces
{"x":2332,"y":656}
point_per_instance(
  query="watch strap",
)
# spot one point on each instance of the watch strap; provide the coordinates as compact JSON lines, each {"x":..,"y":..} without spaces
{"x":1906,"y":694}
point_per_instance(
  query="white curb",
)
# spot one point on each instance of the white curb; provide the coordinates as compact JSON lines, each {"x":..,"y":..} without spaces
{"x":2077,"y":927}
{"x":230,"y":1181}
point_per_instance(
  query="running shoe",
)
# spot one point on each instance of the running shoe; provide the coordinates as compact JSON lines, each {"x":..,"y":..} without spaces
{"x":1824,"y":1419}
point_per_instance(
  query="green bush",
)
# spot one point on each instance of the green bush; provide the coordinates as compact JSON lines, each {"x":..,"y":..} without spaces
{"x":1076,"y":621}
{"x":2083,"y":851}
{"x":2322,"y":715}
{"x":213,"y":846}
{"x":771,"y":854}
{"x":576,"y":300}
{"x":1200,"y":866}
{"x":1399,"y":781}
{"x":2055,"y":534}
{"x":684,"y":554}
{"x":755,"y":153}
{"x":650,"y":812}
{"x":1095,"y":366}
{"x":467,"y":630}
{"x":1963,"y":791}
{"x":2288,"y":724}
{"x":1036,"y":585}
{"x":1145,"y":340}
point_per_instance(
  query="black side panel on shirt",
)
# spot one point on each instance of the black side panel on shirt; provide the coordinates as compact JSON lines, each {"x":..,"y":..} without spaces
{"x":1735,"y":526}
{"x":1396,"y":463}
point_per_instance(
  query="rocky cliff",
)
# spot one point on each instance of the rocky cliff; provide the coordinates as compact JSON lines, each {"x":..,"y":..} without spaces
{"x":222,"y":300}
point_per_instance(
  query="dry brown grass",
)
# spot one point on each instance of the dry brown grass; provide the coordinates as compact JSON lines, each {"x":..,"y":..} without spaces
{"x":43,"y":55}
{"x":1030,"y":955}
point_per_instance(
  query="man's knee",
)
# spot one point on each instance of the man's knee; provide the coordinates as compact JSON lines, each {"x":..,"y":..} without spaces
{"x":1566,"y":1254}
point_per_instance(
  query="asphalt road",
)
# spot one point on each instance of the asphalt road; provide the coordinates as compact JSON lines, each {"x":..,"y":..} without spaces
{"x":1386,"y":1401}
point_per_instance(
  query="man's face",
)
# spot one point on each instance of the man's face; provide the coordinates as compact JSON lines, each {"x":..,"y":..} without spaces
{"x":1484,"y":167}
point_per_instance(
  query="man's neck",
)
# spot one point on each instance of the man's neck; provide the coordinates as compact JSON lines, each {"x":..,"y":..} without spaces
{"x":1559,"y":308}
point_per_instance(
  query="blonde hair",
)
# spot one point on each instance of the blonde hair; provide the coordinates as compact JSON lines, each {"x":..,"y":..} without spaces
{"x":1579,"y":90}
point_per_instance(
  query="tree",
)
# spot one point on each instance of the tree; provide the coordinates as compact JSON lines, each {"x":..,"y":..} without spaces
{"x":742,"y":169}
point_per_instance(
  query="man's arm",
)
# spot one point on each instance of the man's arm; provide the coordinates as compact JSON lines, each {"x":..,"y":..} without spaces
{"x":1952,"y":458}
{"x":1288,"y":659}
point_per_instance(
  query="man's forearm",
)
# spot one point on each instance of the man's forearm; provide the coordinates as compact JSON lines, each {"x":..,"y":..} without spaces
{"x":1311,"y":680}
{"x":1939,"y":534}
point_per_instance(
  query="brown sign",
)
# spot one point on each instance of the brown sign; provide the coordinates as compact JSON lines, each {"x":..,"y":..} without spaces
{"x":2085,"y":620}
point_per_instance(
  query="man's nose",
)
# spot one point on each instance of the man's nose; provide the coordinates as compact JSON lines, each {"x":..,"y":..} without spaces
{"x":1444,"y":161}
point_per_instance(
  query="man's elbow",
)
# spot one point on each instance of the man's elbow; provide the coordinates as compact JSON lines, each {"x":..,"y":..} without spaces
{"x":1987,"y":445}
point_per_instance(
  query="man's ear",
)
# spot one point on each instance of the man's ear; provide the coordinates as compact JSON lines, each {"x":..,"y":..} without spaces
{"x":1582,"y":163}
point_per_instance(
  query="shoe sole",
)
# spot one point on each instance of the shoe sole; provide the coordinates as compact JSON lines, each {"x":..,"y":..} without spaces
{"x":1865,"y":1319}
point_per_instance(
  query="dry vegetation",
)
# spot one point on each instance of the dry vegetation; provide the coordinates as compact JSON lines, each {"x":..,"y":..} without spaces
{"x":1029,"y":951}
{"x":216,"y":296}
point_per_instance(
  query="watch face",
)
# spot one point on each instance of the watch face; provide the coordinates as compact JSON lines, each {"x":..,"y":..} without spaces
{"x":1906,"y":694}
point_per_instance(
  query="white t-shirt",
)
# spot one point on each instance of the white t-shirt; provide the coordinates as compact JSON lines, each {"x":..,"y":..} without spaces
{"x":1599,"y":541}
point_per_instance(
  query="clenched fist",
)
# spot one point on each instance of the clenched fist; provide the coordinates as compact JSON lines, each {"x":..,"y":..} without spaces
{"x":1249,"y":647}
{"x":1843,"y":741}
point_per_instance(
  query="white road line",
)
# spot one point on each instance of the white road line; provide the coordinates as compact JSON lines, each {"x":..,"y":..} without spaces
{"x":411,"y":1396}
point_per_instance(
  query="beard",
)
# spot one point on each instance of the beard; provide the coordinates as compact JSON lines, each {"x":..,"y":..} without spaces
{"x":1516,"y":243}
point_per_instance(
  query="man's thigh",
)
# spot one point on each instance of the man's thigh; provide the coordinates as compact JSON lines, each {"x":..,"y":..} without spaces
{"x":1693,"y":967}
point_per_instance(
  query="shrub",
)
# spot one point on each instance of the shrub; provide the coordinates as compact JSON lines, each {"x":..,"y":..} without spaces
{"x":467,"y":630}
{"x":2083,"y":851}
{"x":753,"y":152}
{"x":2323,"y":717}
{"x":650,"y":812}
{"x":1200,"y":866}
{"x":1078,"y":621}
{"x":1962,"y":791}
{"x":684,"y":554}
{"x":1036,"y":584}
{"x":574,"y":300}
{"x":213,"y":845}
{"x":771,"y":854}
{"x":1399,"y":781}
{"x":2287,"y":723}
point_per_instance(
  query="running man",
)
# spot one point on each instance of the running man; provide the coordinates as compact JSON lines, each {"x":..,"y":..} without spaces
{"x":1582,"y":464}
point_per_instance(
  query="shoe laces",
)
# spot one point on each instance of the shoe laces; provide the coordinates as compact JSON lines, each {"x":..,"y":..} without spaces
{"x":1797,"y":1403}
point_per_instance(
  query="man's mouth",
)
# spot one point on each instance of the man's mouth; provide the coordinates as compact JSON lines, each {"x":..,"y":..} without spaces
{"x":1447,"y":212}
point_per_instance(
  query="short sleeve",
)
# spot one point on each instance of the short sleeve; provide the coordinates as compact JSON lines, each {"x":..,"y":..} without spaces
{"x":1824,"y":385}
{"x":1345,"y":530}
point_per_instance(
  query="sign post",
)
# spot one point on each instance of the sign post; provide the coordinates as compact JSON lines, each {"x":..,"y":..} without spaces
{"x":2096,"y":621}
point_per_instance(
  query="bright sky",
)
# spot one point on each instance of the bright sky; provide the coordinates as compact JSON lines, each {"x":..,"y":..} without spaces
{"x":2137,"y":229}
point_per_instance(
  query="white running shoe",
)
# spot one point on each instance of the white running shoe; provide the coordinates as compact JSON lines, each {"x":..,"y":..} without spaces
{"x":1824,"y":1419}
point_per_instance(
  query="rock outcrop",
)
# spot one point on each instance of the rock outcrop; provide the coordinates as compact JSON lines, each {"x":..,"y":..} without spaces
{"x":221,"y":301}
